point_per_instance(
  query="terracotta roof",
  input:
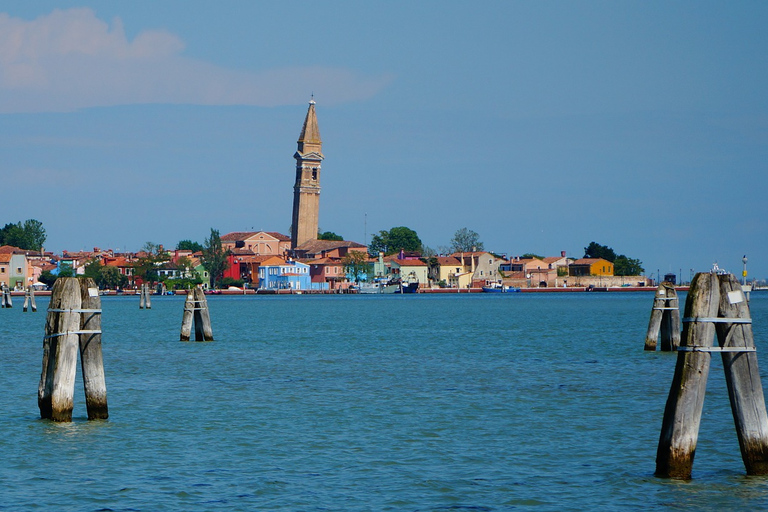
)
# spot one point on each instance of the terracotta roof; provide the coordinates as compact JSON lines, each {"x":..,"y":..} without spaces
{"x":588,"y":261}
{"x":9,"y":249}
{"x":411,"y":263}
{"x":316,"y":246}
{"x":119,"y":262}
{"x":5,"y":257}
{"x":239,"y":236}
{"x":323,"y":261}
{"x":236,"y":236}
{"x":277,"y":235}
{"x":253,"y":258}
{"x":448,"y":260}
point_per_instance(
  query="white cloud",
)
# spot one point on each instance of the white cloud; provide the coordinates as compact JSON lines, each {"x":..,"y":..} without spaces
{"x":70,"y":59}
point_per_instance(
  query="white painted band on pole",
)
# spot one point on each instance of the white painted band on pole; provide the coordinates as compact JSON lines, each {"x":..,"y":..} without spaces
{"x":74,"y":311}
{"x":87,"y":331}
{"x":718,"y":320}
{"x":665,"y":309}
{"x":716,"y":349}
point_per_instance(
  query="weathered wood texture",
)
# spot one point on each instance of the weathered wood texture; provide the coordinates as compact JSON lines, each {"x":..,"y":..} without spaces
{"x":91,"y":358}
{"x":682,"y":414}
{"x":670,"y":320}
{"x":186,"y":319}
{"x":665,"y":319}
{"x":7,"y":301}
{"x":203,"y":330}
{"x":57,"y":381}
{"x":145,"y":300}
{"x":29,"y":299}
{"x":743,"y":378}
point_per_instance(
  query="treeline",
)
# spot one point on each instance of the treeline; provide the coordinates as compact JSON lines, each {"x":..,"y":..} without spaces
{"x":29,"y":235}
{"x":622,"y":265}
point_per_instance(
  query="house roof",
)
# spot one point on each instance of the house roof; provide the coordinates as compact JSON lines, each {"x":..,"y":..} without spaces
{"x":448,"y":261}
{"x":317,"y":246}
{"x":253,"y":258}
{"x":588,"y":261}
{"x":324,"y":261}
{"x":273,"y":260}
{"x":410,"y":263}
{"x":239,"y":236}
{"x":552,"y":259}
{"x":9,"y":249}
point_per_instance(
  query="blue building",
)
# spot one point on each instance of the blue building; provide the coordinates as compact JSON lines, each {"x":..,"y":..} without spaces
{"x":279,"y":274}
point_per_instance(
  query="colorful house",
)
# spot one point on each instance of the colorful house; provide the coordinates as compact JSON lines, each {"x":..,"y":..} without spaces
{"x":279,"y":274}
{"x":411,"y":269}
{"x":328,"y":273}
{"x":590,"y":267}
{"x":17,"y":271}
{"x":262,"y":243}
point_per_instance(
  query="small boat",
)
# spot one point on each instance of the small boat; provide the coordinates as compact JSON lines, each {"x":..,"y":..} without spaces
{"x":497,"y":287}
{"x":377,"y":286}
{"x":409,"y":285}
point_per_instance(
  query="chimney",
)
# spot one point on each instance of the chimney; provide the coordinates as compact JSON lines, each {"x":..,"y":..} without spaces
{"x":562,"y":254}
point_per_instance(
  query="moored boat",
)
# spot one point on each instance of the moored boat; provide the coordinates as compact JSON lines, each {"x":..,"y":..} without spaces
{"x":497,"y":287}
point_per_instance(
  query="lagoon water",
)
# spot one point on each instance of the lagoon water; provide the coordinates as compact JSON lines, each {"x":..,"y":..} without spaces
{"x":415,"y":403}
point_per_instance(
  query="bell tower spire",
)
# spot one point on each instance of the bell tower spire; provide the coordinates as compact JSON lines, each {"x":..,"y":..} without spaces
{"x":306,"y":190}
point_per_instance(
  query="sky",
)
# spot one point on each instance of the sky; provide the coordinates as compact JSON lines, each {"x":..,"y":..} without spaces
{"x":542,"y":126}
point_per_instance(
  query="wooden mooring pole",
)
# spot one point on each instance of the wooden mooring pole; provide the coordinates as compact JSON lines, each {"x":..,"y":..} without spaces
{"x":6,"y":301}
{"x":91,"y":360}
{"x":196,"y":309}
{"x":29,"y":298}
{"x":665,"y":318}
{"x":146,"y":297}
{"x":189,"y":313}
{"x":715,"y":303}
{"x":73,"y":321}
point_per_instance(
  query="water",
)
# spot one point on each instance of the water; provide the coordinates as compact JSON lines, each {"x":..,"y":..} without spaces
{"x":444,"y":402}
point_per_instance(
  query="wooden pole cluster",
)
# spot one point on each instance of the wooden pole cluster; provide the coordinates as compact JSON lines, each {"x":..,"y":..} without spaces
{"x":73,"y":321}
{"x":715,"y":305}
{"x":6,"y":301}
{"x":146,"y":297}
{"x":196,"y":308}
{"x":29,"y":298}
{"x":665,"y":317}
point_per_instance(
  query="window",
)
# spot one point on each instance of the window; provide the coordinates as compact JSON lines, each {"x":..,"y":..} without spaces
{"x":314,"y":174}
{"x":18,"y":270}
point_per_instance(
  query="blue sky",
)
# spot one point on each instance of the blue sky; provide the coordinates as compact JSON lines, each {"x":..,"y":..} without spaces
{"x":542,"y":126}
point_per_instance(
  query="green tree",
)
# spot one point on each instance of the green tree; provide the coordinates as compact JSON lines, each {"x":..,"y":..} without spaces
{"x":66,"y":271}
{"x":47,"y":278}
{"x":595,"y":250}
{"x":329,"y":235}
{"x":106,"y":277}
{"x":530,"y":255}
{"x":394,"y":240}
{"x":189,"y":245}
{"x":466,"y":240}
{"x":356,"y":265}
{"x":624,"y":266}
{"x":146,"y":265}
{"x":29,"y":236}
{"x":214,"y":257}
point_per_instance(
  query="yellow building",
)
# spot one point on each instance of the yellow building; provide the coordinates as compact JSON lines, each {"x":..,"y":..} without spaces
{"x":591,"y":267}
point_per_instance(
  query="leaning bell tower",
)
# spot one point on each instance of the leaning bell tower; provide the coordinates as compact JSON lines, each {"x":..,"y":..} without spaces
{"x":306,"y":190}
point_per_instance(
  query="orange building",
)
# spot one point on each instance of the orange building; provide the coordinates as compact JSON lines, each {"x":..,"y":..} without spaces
{"x":590,"y":267}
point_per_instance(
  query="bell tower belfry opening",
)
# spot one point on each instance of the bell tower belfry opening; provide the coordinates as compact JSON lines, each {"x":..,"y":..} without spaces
{"x":306,"y":190}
